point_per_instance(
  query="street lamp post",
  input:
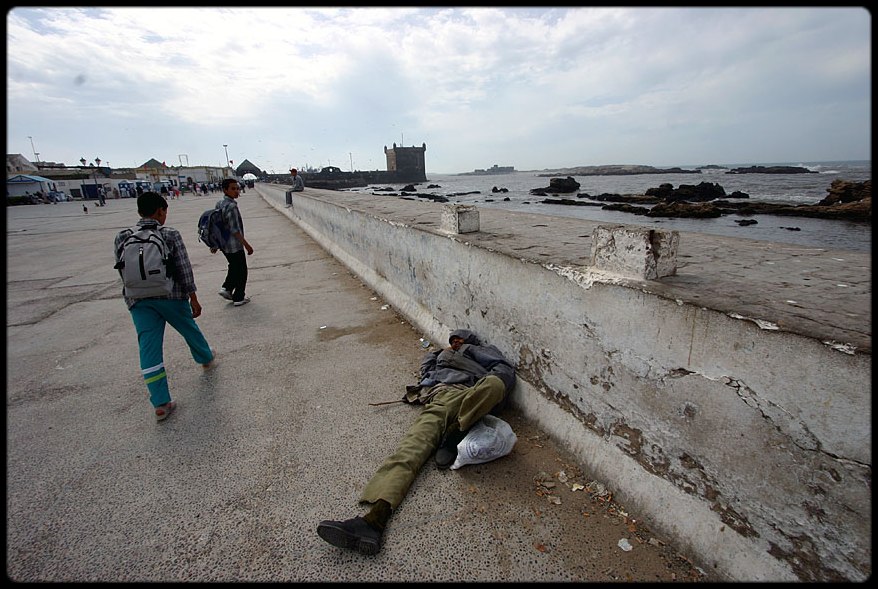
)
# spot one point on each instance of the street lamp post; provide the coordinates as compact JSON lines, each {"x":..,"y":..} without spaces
{"x":95,"y":175}
{"x":226,"y":147}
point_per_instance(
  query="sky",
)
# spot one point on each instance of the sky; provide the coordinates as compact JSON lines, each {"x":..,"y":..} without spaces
{"x":533,"y":88}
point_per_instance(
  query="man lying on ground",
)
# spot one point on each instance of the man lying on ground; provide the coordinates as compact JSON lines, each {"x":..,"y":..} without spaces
{"x":459,"y":385}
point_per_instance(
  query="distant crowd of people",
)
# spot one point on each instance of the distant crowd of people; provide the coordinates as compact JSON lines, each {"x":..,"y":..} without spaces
{"x":168,"y":191}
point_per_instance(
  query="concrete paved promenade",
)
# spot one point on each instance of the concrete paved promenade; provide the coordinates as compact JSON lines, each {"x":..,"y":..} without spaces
{"x":277,"y":437}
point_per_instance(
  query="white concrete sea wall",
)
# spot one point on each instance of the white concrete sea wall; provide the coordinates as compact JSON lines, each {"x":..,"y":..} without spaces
{"x":750,"y":447}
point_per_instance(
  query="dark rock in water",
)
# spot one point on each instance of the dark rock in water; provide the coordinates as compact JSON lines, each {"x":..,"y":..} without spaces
{"x":772,"y":170}
{"x":681,"y":209}
{"x":408,"y":188}
{"x":626,"y":208}
{"x":631,"y":198}
{"x":465,"y":193}
{"x":745,"y":222}
{"x":844,"y":191}
{"x":433,"y":186}
{"x":433,"y":197}
{"x":855,"y":211}
{"x":507,"y":199}
{"x":851,"y":201}
{"x":562,"y":185}
{"x":703,"y":192}
{"x":792,"y":228}
{"x":495,"y":189}
{"x":568,"y":201}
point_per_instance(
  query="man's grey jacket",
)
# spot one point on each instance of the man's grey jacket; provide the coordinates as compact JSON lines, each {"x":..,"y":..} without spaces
{"x":462,"y":367}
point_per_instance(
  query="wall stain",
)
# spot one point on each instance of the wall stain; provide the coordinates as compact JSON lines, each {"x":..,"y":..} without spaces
{"x":805,"y":561}
{"x":532,"y":367}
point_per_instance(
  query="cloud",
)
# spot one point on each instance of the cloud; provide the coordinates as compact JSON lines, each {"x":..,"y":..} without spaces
{"x":528,"y":87}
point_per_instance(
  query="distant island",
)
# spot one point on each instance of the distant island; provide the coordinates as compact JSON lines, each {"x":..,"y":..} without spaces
{"x":493,"y":170}
{"x":631,"y":170}
{"x":616,"y":170}
{"x":772,"y":170}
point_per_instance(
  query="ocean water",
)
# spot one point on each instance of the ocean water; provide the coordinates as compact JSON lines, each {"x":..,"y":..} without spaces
{"x":773,"y":188}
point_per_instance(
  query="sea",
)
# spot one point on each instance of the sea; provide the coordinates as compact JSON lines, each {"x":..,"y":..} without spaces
{"x":796,"y":189}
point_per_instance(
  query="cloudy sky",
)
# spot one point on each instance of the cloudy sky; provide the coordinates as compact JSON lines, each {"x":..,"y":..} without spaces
{"x":533,"y":88}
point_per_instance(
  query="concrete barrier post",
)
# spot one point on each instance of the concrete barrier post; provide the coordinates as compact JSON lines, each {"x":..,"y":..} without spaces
{"x":635,"y":252}
{"x":458,"y":218}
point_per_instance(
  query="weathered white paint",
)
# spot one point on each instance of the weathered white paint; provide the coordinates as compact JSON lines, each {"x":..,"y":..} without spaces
{"x":750,"y":446}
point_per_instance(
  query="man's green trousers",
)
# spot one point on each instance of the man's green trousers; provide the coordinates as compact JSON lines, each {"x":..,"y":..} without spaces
{"x":465,"y":406}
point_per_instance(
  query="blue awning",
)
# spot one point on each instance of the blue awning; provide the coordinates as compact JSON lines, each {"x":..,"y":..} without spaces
{"x":25,"y":179}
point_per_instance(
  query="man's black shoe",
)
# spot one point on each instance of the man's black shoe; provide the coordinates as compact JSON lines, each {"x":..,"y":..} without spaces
{"x":353,"y":534}
{"x":446,"y":453}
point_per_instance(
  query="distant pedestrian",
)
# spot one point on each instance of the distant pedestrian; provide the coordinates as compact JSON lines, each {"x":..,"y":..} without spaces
{"x":298,"y":183}
{"x":179,"y":309}
{"x":235,"y":284}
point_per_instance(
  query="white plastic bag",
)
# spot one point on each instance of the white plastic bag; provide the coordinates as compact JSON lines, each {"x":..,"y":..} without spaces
{"x":489,"y":439}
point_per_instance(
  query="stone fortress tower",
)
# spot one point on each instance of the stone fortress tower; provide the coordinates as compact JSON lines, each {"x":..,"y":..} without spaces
{"x":406,"y":164}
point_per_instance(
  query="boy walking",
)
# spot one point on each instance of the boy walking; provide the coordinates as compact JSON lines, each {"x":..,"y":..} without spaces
{"x":179,"y":308}
{"x":235,"y":283}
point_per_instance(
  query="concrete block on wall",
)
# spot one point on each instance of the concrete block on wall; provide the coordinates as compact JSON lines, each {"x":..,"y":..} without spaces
{"x":459,"y":219}
{"x":635,"y":252}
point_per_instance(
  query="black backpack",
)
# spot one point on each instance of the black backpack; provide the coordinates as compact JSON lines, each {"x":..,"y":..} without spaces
{"x":213,"y":231}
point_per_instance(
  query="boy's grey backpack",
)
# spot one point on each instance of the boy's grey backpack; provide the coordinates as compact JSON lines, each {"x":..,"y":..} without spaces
{"x":144,"y":264}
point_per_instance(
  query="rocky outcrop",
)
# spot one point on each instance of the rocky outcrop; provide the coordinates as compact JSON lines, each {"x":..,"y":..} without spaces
{"x":570,"y":202}
{"x":617,"y":170}
{"x":556,"y":186}
{"x":772,"y":170}
{"x":851,"y":201}
{"x":630,"y":198}
{"x":842,"y":191}
{"x":679,"y":209}
{"x":706,"y":191}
